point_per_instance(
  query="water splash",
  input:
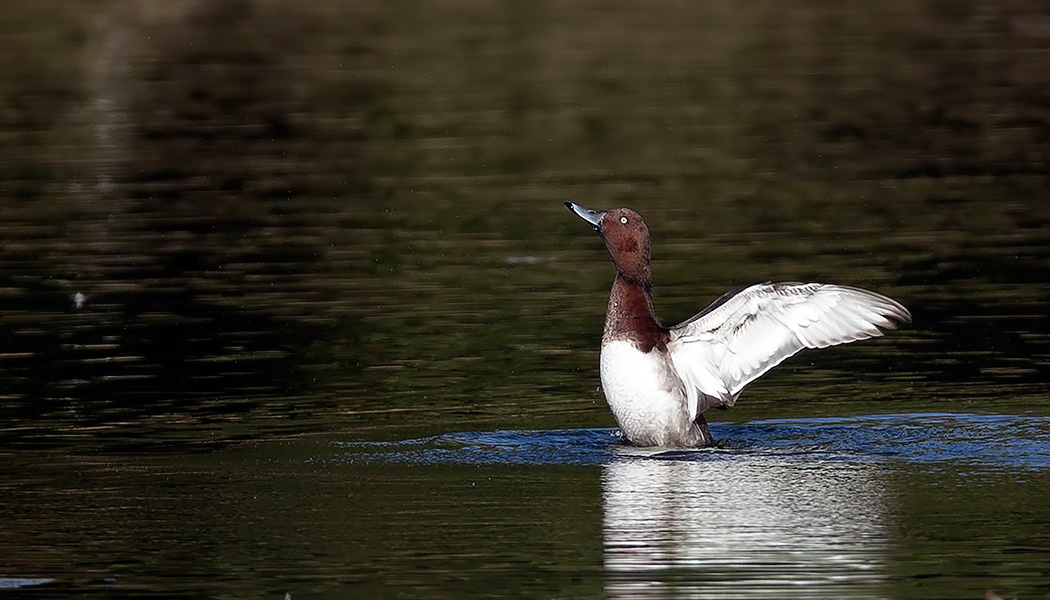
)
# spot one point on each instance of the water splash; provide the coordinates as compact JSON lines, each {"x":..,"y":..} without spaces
{"x":1018,"y":441}
{"x":1015,"y":440}
{"x":552,"y":447}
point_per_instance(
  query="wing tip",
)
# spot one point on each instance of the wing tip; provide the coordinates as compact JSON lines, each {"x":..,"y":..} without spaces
{"x":892,"y":312}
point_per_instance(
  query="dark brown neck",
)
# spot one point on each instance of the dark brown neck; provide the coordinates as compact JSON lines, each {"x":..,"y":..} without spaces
{"x":631,"y":317}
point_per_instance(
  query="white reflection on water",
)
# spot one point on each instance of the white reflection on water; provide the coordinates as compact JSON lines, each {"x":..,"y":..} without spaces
{"x":742,"y":526}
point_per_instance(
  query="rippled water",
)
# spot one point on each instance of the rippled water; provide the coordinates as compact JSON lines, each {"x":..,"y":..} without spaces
{"x":989,"y":440}
{"x":801,"y":508}
{"x":882,"y":506}
{"x":291,"y":304}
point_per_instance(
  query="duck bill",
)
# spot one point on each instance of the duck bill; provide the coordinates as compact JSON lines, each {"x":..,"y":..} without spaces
{"x":592,"y":216}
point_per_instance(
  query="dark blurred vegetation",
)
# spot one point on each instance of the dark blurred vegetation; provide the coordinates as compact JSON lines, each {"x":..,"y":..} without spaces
{"x":264,"y":198}
{"x":271,"y":97}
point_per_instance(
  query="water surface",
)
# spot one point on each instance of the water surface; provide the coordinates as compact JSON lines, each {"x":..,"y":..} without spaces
{"x":291,"y":303}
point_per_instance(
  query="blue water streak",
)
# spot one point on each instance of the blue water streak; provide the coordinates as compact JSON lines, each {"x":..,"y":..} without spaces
{"x":1016,"y":441}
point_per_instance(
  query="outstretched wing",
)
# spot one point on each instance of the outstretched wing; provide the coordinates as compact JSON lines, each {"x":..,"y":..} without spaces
{"x":743,"y":334}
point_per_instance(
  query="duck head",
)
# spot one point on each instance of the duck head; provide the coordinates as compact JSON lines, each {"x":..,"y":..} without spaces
{"x":626,"y":237}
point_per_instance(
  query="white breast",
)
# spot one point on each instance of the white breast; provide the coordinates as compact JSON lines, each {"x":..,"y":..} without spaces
{"x":646,"y":397}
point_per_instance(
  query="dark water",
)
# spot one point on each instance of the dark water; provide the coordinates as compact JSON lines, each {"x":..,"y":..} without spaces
{"x":291,"y":303}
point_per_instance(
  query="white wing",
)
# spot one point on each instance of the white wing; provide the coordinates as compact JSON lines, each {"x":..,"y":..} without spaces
{"x":745,"y":333}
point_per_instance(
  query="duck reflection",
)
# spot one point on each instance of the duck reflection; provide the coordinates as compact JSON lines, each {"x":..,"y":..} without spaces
{"x":692,"y":524}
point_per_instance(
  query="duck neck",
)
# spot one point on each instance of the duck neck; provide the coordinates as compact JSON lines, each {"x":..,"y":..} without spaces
{"x":630,"y":316}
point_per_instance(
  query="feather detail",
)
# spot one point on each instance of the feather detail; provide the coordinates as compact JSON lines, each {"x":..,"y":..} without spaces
{"x":746,"y":333}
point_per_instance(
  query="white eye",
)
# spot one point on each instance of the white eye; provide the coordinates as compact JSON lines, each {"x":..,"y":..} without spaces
{"x":623,"y":220}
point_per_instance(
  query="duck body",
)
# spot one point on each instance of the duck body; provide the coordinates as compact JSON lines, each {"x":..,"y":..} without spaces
{"x":658,"y":381}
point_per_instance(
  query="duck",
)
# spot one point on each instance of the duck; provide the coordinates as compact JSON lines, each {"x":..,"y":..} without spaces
{"x":658,"y":381}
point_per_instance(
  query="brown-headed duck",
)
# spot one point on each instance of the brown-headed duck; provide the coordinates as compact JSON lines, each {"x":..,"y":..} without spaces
{"x":659,"y":380}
